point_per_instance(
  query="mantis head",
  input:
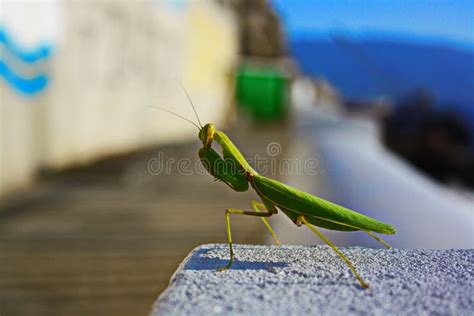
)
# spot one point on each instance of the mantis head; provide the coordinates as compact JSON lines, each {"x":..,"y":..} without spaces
{"x":206,"y":134}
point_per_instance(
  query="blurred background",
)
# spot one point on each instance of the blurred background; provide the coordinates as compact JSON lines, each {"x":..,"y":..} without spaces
{"x":372,"y":101}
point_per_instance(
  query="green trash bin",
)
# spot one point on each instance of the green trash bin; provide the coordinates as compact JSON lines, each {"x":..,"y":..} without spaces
{"x":262,"y":92}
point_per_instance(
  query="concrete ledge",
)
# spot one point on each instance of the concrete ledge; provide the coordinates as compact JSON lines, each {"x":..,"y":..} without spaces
{"x":313,"y":280}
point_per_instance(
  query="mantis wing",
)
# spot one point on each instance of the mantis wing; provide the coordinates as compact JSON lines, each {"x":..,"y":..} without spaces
{"x":321,"y":212}
{"x":318,"y":222}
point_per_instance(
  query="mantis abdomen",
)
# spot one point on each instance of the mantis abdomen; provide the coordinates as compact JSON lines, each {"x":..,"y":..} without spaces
{"x":318,"y":211}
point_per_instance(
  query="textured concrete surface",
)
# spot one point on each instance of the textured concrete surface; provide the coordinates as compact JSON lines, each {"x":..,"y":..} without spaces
{"x":300,"y":280}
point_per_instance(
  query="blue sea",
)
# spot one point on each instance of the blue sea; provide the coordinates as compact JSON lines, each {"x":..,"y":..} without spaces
{"x":369,"y":68}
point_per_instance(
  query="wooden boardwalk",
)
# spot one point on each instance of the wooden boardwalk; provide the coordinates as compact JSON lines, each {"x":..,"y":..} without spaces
{"x":105,"y":239}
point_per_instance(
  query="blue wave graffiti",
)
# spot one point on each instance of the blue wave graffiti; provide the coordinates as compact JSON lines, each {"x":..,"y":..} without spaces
{"x":41,"y":52}
{"x":30,"y":86}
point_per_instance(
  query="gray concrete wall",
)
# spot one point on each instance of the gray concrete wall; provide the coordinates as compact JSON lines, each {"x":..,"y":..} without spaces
{"x":303,"y":280}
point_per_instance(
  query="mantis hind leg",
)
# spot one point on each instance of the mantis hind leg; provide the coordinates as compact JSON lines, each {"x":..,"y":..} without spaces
{"x":257,"y":206}
{"x":380,"y":240}
{"x":302,"y":219}
{"x":229,"y":233}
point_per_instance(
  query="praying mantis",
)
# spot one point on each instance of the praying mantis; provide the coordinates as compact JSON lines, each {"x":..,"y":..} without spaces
{"x":301,"y":208}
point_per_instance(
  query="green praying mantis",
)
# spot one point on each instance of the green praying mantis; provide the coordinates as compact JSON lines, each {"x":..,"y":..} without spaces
{"x":302,"y":208}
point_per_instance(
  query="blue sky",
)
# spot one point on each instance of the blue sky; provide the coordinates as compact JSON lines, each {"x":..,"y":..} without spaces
{"x":438,"y":21}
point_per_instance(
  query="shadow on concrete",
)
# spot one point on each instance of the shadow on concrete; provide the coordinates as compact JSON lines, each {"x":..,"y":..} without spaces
{"x":200,"y":262}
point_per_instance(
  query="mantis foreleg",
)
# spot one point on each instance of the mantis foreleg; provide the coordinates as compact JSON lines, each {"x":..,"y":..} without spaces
{"x":303,"y":220}
{"x":229,"y":234}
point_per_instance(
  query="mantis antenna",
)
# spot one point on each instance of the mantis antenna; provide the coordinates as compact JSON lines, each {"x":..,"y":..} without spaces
{"x":189,"y":98}
{"x":175,"y":114}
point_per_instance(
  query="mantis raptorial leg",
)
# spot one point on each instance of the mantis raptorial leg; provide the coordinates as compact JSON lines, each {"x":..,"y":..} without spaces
{"x":303,"y":220}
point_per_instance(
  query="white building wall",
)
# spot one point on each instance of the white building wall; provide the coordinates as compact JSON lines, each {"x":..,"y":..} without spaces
{"x":112,"y":60}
